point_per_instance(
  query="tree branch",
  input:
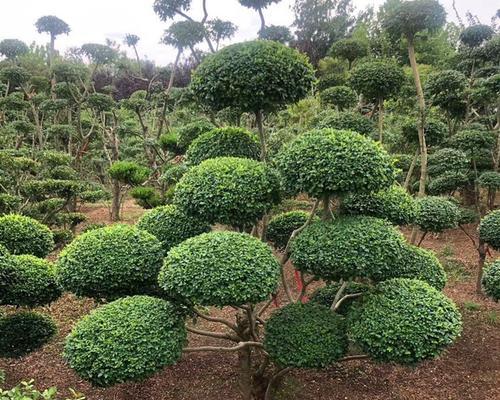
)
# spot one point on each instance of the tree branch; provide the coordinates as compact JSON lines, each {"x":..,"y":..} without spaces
{"x":337,"y":295}
{"x":347,"y":296}
{"x":216,"y":319}
{"x":218,"y":335}
{"x":240,"y":346}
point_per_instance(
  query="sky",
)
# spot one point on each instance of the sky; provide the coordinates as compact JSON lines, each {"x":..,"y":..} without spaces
{"x":95,"y":20}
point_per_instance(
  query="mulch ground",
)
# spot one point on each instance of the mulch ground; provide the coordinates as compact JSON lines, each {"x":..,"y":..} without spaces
{"x":468,"y":370}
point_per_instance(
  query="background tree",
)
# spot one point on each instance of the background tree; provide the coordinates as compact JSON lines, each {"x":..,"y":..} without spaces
{"x":278,"y":33}
{"x":259,"y":5}
{"x":349,"y":49}
{"x":131,"y":40}
{"x":54,"y":27}
{"x":13,"y":48}
{"x":220,"y":30}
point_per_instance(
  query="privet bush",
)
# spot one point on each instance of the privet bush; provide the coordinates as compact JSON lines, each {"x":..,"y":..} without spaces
{"x":242,"y":269}
{"x":305,"y":336}
{"x":489,"y":229}
{"x":404,"y":321}
{"x":341,"y":97}
{"x":171,"y":226}
{"x":111,"y":262}
{"x":281,"y":226}
{"x":435,"y":131}
{"x":489,"y":180}
{"x":128,"y":172}
{"x":223,"y":142}
{"x":24,"y":235}
{"x":127,"y":339}
{"x":491,"y":280}
{"x":227,"y":190}
{"x":189,"y":132}
{"x":436,"y":214}
{"x":326,"y":295}
{"x":344,"y":120}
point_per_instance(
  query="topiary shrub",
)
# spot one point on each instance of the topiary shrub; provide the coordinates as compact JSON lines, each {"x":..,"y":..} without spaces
{"x":128,"y":172}
{"x":344,"y":120}
{"x":173,"y":173}
{"x":281,"y":226}
{"x":447,"y":183}
{"x":404,"y":321}
{"x":489,"y":230}
{"x":435,"y":131}
{"x":393,"y":204}
{"x":24,"y":332}
{"x":341,"y":97}
{"x":189,"y":132}
{"x":171,"y":226}
{"x":111,"y":262}
{"x":128,"y":339}
{"x":24,"y":235}
{"x":348,"y":247}
{"x":145,"y":196}
{"x":491,"y":280}
{"x":330,"y":162}
{"x":223,"y":142}
{"x":436,"y":214}
{"x":326,"y":295}
{"x":305,"y":336}
{"x":242,"y":269}
{"x":31,"y":284}
{"x":170,"y":142}
{"x":489,"y":180}
{"x":227,"y":190}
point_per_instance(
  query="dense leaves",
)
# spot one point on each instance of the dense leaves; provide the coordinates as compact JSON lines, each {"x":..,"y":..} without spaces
{"x":326,"y":295}
{"x":436,"y":214}
{"x":281,"y":226}
{"x":491,"y":280}
{"x":489,"y":229}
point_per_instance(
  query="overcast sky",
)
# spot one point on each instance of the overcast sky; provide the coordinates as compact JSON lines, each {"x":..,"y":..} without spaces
{"x":96,"y":20}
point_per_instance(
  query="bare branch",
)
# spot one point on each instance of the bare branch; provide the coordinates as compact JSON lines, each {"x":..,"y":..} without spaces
{"x":240,"y":346}
{"x":216,"y":319}
{"x":338,"y":295}
{"x":218,"y":335}
{"x":347,"y":296}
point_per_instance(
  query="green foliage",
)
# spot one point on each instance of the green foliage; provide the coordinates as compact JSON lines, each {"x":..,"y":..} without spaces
{"x":147,"y":197}
{"x":101,"y":102}
{"x":184,"y":34}
{"x":14,"y":75}
{"x":348,"y":247}
{"x":111,"y":262}
{"x":167,"y":9}
{"x":341,"y":97}
{"x":473,"y":142}
{"x":393,"y":204}
{"x":447,"y":183}
{"x":334,"y":163}
{"x":26,"y":391}
{"x":277,"y":33}
{"x":128,"y":172}
{"x":281,"y":226}
{"x":491,"y":280}
{"x":349,"y":49}
{"x":227,"y":190}
{"x":171,"y":226}
{"x":378,"y":79}
{"x":9,"y":203}
{"x":257,"y":4}
{"x":128,"y":339}
{"x":436,"y":214}
{"x":489,"y":180}
{"x":305,"y":336}
{"x":220,"y":269}
{"x":446,"y":89}
{"x":223,"y":142}
{"x":489,"y":229}
{"x":99,"y":54}
{"x":24,"y":332}
{"x":252,"y":76}
{"x":12,"y":48}
{"x":189,"y":132}
{"x":476,"y":35}
{"x":24,"y":235}
{"x":173,"y":173}
{"x":447,"y":160}
{"x":326,"y":295}
{"x":344,"y":120}
{"x":52,"y":25}
{"x":435,"y":131}
{"x":170,"y":142}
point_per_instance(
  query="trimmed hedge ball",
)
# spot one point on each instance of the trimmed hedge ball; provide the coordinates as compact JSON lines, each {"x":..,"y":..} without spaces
{"x":189,"y":132}
{"x":223,"y":142}
{"x":393,"y":204}
{"x":126,"y":340}
{"x":489,"y":230}
{"x":25,"y":235}
{"x":228,"y":190}
{"x":305,"y":336}
{"x":171,"y":226}
{"x":344,"y":120}
{"x":436,"y":214}
{"x":111,"y":262}
{"x":334,"y":162}
{"x":33,"y":283}
{"x":489,"y":180}
{"x":348,"y":247}
{"x":491,"y":280}
{"x":405,"y":321}
{"x":339,"y":96}
{"x":281,"y":226}
{"x":220,"y":269}
{"x":24,"y":332}
{"x":326,"y":295}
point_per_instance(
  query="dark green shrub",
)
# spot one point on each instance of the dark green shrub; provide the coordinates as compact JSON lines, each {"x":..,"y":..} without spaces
{"x":468,"y":216}
{"x":227,"y":190}
{"x":491,"y":280}
{"x":447,"y":160}
{"x":128,"y":172}
{"x":393,"y":204}
{"x":348,"y":247}
{"x":489,"y":229}
{"x":111,"y":262}
{"x":435,"y":131}
{"x":344,"y":120}
{"x":24,"y":332}
{"x":220,"y":269}
{"x":305,"y":336}
{"x":489,"y":180}
{"x":171,"y":226}
{"x":405,"y":321}
{"x":128,"y":339}
{"x":281,"y":226}
{"x":9,"y":203}
{"x":170,"y":142}
{"x":447,"y":183}
{"x":326,"y":295}
{"x":341,"y":97}
{"x":223,"y":142}
{"x":91,"y":227}
{"x":62,"y":237}
{"x":189,"y":132}
{"x":436,"y":214}
{"x":334,"y":163}
{"x":24,"y":235}
{"x":349,"y":49}
{"x":475,"y":35}
{"x":174,"y":173}
{"x":145,"y":196}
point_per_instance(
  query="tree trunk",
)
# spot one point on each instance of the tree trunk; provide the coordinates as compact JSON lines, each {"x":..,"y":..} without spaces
{"x":262,"y":136}
{"x":115,"y":205}
{"x":262,"y":20}
{"x":52,"y":47}
{"x":138,"y":60}
{"x":410,"y":170}
{"x":380,"y":119}
{"x":482,"y":257}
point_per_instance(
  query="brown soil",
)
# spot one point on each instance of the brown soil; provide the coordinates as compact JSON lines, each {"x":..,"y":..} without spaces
{"x":468,"y":370}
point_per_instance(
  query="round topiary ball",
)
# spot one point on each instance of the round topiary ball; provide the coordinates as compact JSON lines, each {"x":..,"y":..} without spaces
{"x":435,"y":131}
{"x":335,"y":163}
{"x":405,"y":321}
{"x":348,"y":247}
{"x":126,"y":340}
{"x":393,"y":204}
{"x":24,"y":235}
{"x":281,"y":226}
{"x":189,"y":132}
{"x":489,"y":230}
{"x":436,"y":214}
{"x":326,"y":295}
{"x":341,"y":97}
{"x":24,"y":332}
{"x":171,"y":226}
{"x":220,"y":269}
{"x":489,"y":180}
{"x":223,"y":142}
{"x":491,"y":280}
{"x":228,"y":190}
{"x":31,"y":284}
{"x":111,"y":262}
{"x":305,"y":336}
{"x":344,"y":120}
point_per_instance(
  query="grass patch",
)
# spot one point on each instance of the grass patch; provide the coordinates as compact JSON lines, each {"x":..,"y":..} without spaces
{"x":455,"y":270}
{"x":471,"y":306}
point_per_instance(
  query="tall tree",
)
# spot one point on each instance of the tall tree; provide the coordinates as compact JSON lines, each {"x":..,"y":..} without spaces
{"x":131,"y":40}
{"x":54,"y":27}
{"x":259,"y":5}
